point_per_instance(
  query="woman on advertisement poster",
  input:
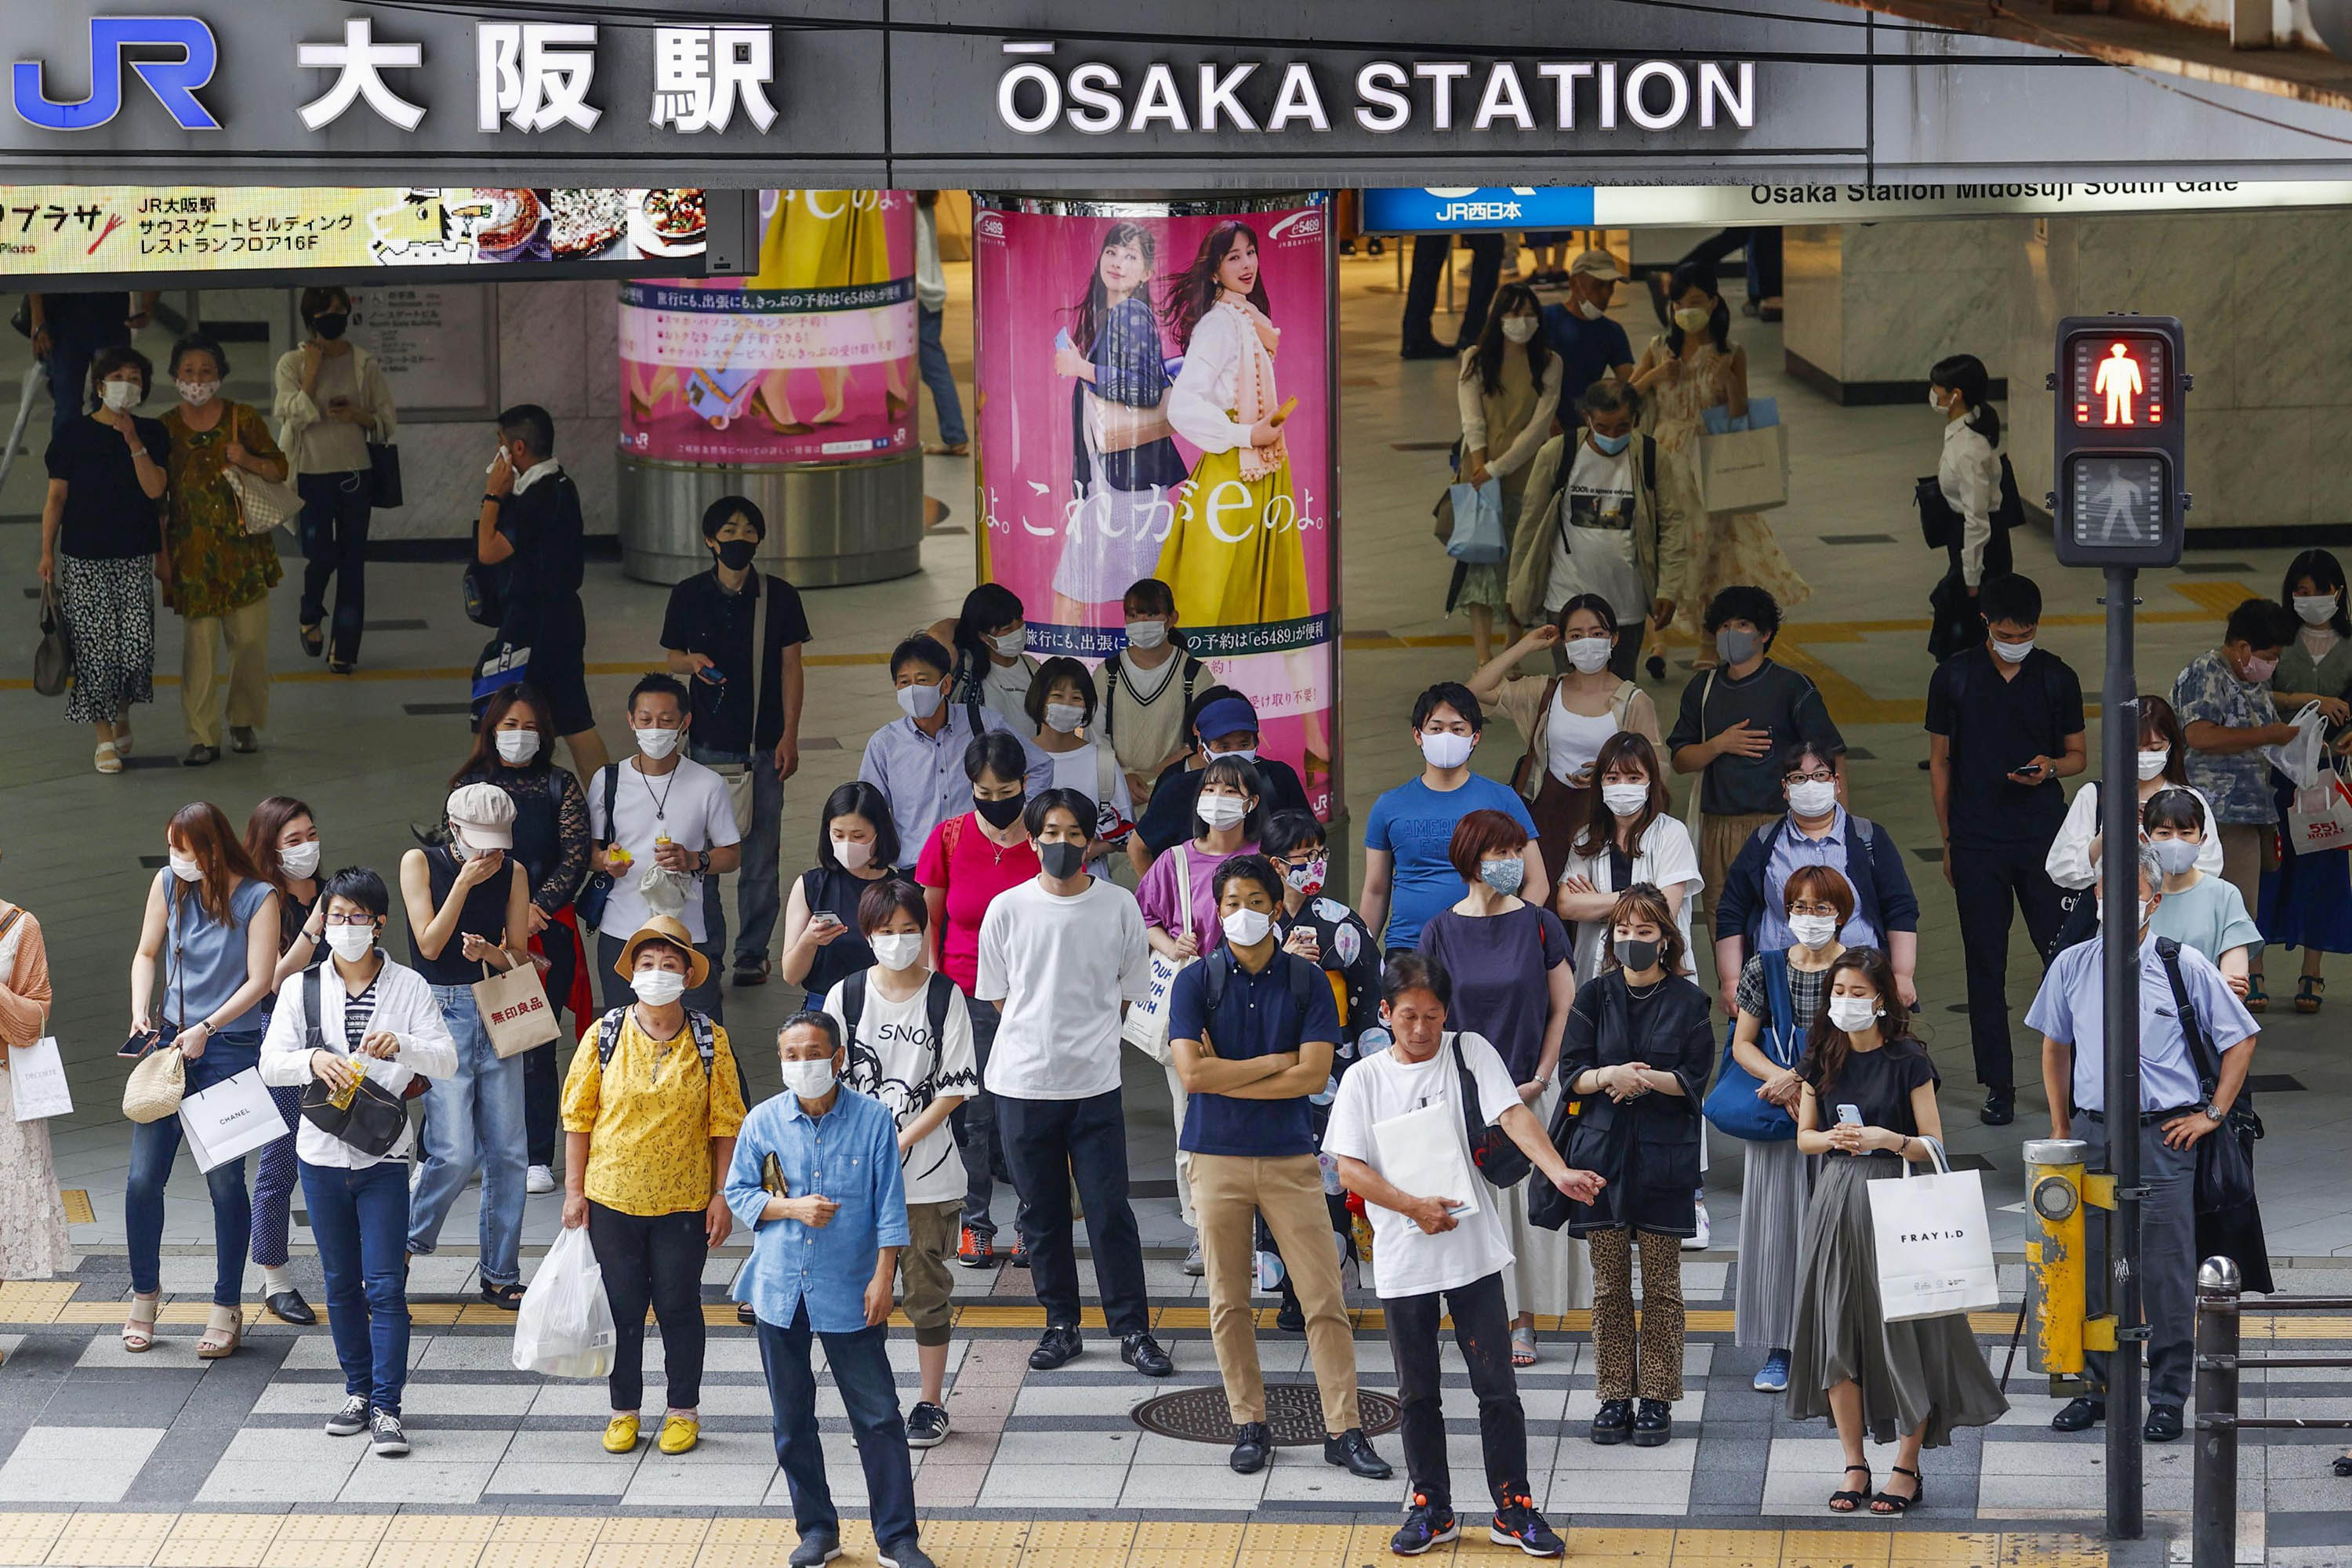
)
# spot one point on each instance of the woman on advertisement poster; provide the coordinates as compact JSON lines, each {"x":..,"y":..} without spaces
{"x":826,"y":239}
{"x":1124,"y":462}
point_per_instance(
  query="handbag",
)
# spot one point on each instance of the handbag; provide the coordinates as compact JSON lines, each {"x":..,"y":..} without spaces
{"x":1933,"y":1244}
{"x":483,"y":590}
{"x":1938,"y":523}
{"x":2225,"y":1159}
{"x":1478,"y":538}
{"x":231,"y":1119}
{"x":1745,"y":470}
{"x":1146,"y":1024}
{"x":1733,"y":1107}
{"x":160,"y":1081}
{"x":368,"y":1116}
{"x":53,"y":658}
{"x":264,"y":504}
{"x":514,"y":1010}
{"x":588,"y":904}
{"x":384,"y":476}
{"x":2321,"y":816}
{"x":1502,"y":1162}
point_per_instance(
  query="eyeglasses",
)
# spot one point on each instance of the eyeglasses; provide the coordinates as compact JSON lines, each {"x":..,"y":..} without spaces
{"x":351,"y":919}
{"x":1819,"y":775}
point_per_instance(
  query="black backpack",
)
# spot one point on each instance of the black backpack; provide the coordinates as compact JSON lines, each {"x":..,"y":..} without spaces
{"x":937,"y":993}
{"x":608,"y":1038}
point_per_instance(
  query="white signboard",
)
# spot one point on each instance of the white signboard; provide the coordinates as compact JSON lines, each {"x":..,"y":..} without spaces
{"x":1719,"y":206}
{"x":437,"y":343}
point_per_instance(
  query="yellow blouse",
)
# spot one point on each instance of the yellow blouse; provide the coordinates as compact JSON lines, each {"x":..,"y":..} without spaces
{"x":650,"y":1119}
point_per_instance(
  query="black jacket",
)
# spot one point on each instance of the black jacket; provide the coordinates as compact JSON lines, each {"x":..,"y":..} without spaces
{"x":1648,"y":1147}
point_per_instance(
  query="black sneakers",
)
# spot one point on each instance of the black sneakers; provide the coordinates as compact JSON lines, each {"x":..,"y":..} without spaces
{"x":926,"y":1425}
{"x":1057,"y":1346}
{"x":351,"y":1419}
{"x":1516,"y":1523}
{"x":1142,"y":1352}
{"x":1423,"y":1528}
{"x":386,"y":1434}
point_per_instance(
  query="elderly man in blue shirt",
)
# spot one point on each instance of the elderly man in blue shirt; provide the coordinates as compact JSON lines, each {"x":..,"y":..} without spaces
{"x":2174,"y":1116}
{"x":815,"y":1181}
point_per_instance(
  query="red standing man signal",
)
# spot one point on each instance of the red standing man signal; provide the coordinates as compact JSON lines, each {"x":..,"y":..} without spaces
{"x":2118,"y":382}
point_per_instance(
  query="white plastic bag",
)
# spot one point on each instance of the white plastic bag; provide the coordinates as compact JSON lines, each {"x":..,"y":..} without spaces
{"x":2304,"y":759}
{"x":565,"y":1326}
{"x":1478,"y":537}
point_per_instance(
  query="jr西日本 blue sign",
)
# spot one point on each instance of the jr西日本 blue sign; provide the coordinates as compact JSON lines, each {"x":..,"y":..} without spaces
{"x":1422,"y":210}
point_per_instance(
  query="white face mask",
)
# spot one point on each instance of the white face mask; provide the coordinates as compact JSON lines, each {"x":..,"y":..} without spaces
{"x":197,"y":394}
{"x":808,"y":1081}
{"x":119,"y":395}
{"x":1693,"y":318}
{"x":2175,"y":854}
{"x":1011,"y":644}
{"x":1588,"y":654}
{"x":1444,"y":748}
{"x":2151,"y":764}
{"x":1813,"y":930}
{"x":516,"y":746}
{"x":657,"y":987}
{"x":1064,"y":717}
{"x":920,"y":703}
{"x":1520,"y":329}
{"x":184,"y":867}
{"x":350,"y":943}
{"x":2011,"y":652}
{"x":1812,"y":797}
{"x":1589,"y":311}
{"x":658,"y":744}
{"x":2143,"y":905}
{"x":1246,"y":928}
{"x":897,"y":950}
{"x":299,"y":859}
{"x":1145,"y":633}
{"x":854,"y":854}
{"x":1222,"y":811}
{"x":1935,"y":400}
{"x":1853,"y":1013}
{"x":1626,"y":799}
{"x":2315,"y":609}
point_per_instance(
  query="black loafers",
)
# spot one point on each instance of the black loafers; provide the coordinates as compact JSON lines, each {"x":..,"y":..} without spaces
{"x":2163,"y":1424}
{"x":2080,"y":1416}
{"x":1352,"y":1451}
{"x":2000,"y":1107}
{"x":1142,"y":1352}
{"x":288,"y":1307}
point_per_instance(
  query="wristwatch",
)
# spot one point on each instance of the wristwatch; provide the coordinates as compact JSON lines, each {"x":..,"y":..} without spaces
{"x":491,"y":500}
{"x":705,"y":861}
{"x":2212,"y":1111}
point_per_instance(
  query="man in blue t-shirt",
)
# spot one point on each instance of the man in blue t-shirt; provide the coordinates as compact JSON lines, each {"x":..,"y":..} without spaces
{"x":1591,"y":346}
{"x":1409,"y":871}
{"x":1253,"y":1030}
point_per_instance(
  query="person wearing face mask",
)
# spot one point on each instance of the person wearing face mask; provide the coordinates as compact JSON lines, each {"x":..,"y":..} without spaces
{"x":333,"y":402}
{"x":1629,"y":835}
{"x":1508,"y":388}
{"x":101,"y":536}
{"x":2199,"y":910}
{"x":969,"y":861}
{"x":2308,"y":903}
{"x":1147,"y":689}
{"x":1062,"y":956}
{"x":990,"y":638}
{"x":1567,"y":717}
{"x":1061,"y":708}
{"x":1595,"y":524}
{"x":917,"y":759}
{"x":2227,"y":716}
{"x":816,"y":1182}
{"x":281,"y":837}
{"x":906,"y":1033}
{"x":529,"y":529}
{"x":2073,"y":860}
{"x":2185,"y":1095}
{"x":2004,"y":725}
{"x":663,"y":824}
{"x":514,"y":749}
{"x":1691,"y":368}
{"x":857,"y":847}
{"x":1409,"y":872}
{"x":747,"y":709}
{"x":1780,"y":993}
{"x":651,"y":1108}
{"x":1495,"y":944}
{"x":1867,"y":1109}
{"x":1975,"y":501}
{"x":221,"y":574}
{"x":1225,"y":725}
{"x":359,"y":1014}
{"x":1591,"y":346}
{"x":1734,"y":719}
{"x":1636,"y":1053}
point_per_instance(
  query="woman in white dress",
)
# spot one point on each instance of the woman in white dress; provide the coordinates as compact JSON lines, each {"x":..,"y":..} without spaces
{"x":33,"y":1242}
{"x":1632,"y":836}
{"x":1061,"y":708}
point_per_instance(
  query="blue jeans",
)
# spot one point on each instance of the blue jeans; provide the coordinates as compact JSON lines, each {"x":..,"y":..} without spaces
{"x":931,"y":356}
{"x":757,"y":886}
{"x":861,"y":1374}
{"x":473,"y":1119}
{"x":155,"y":1145}
{"x":358,"y":1218}
{"x":334,"y":531}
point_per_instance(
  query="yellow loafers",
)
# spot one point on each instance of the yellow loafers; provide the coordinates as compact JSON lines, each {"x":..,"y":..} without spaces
{"x":620,"y":1434}
{"x":679,"y":1434}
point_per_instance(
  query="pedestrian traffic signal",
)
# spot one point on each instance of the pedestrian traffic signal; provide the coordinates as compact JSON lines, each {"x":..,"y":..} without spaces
{"x":2119,"y":458}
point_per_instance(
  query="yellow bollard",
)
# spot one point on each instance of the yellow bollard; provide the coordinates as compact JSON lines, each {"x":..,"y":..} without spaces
{"x":2055,"y":1258}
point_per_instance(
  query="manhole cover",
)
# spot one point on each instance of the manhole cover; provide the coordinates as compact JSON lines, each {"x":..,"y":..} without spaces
{"x":1294,"y":1410}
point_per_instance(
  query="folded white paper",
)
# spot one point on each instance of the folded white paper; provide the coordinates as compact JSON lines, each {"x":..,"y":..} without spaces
{"x":1422,"y":1155}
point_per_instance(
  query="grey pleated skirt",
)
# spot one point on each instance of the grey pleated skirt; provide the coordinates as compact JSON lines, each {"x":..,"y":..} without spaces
{"x":1926,"y":1371}
{"x":1772,"y":1193}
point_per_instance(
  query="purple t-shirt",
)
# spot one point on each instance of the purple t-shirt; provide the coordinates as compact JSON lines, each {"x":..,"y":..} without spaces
{"x":1500,"y":966}
{"x":1157,"y":894}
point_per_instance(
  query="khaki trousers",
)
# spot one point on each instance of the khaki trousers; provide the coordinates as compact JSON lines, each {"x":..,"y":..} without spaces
{"x":245,"y":674}
{"x":1228,"y":1190}
{"x":1721,"y":840}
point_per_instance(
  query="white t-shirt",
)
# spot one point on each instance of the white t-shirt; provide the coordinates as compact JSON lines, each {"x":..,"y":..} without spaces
{"x":1083,"y":770}
{"x":1061,"y":967}
{"x":1597,"y":556}
{"x":1573,"y":740}
{"x":1406,"y":1260}
{"x":1666,"y":861}
{"x":689,"y":804}
{"x":1005,"y":689}
{"x":891,"y":1060}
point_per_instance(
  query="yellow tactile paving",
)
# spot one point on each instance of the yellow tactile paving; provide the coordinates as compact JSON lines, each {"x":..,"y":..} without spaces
{"x":1836,"y":1549}
{"x":111,"y":1539}
{"x":27,"y":1537}
{"x":1937,"y":1549}
{"x":658,"y":1543}
{"x":34,"y":1300}
{"x":976,"y":1542}
{"x":77,"y":1205}
{"x":540,"y":1540}
{"x":1728,"y":1548}
{"x":434,"y":1540}
{"x":1074,"y":1544}
{"x":2032,"y":1550}
{"x":1285,"y":1545}
{"x":1648,"y":1546}
{"x":1172,"y":1544}
{"x":219,"y":1540}
{"x":326,"y":1541}
{"x":733,"y":1542}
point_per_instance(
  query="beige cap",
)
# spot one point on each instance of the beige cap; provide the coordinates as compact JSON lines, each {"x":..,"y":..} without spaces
{"x":1596,"y":264}
{"x":483,"y":814}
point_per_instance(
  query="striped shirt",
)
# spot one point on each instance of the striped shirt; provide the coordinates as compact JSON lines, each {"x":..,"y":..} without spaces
{"x":358,"y":1013}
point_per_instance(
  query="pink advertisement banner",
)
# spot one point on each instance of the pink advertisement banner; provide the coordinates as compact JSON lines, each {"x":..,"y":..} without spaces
{"x":1153,"y":395}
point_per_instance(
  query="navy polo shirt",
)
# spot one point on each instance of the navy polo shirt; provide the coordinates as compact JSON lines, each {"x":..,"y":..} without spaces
{"x":1256,"y":1018}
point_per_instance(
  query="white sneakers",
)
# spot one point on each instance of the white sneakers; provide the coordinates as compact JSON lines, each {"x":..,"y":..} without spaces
{"x":1696,"y":1240}
{"x":539,"y":1179}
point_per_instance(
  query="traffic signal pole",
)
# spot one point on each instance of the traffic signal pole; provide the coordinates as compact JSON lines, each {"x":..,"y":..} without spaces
{"x":2119,"y":904}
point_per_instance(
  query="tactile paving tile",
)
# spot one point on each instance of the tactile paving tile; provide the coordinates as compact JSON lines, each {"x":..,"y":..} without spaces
{"x":34,"y":1300}
{"x":326,"y":1541}
{"x":27,"y":1537}
{"x":1285,"y":1545}
{"x":1728,"y":1548}
{"x":434,"y":1541}
{"x":1837,"y":1549}
{"x":219,"y":1540}
{"x":735,"y":1542}
{"x":1163,"y":1543}
{"x":2051,"y":1550}
{"x":77,"y":1205}
{"x":540,"y":1540}
{"x":658,"y":1543}
{"x":1937,"y":1548}
{"x":977,"y":1542}
{"x":1621,"y":1546}
{"x":1078,"y":1543}
{"x":111,"y":1539}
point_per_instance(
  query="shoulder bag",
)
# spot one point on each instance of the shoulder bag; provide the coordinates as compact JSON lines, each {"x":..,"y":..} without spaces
{"x":160,"y":1081}
{"x":589,"y":906}
{"x":2225,"y":1158}
{"x":1733,"y":1106}
{"x":1502,"y":1162}
{"x":1526,"y":774}
{"x":368,"y":1116}
{"x":53,"y":659}
{"x":261,"y":504}
{"x":1146,"y":1024}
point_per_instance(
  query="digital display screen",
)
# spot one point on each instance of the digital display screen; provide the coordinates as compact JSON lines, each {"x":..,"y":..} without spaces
{"x":2118,"y":380}
{"x":2118,"y":501}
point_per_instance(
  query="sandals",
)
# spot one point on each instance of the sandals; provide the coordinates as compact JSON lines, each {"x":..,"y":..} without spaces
{"x":1851,"y":1502}
{"x":2257,"y":1000}
{"x":138,"y":1332}
{"x":508,"y":1298}
{"x":1886,"y":1504}
{"x":1523,"y":1345}
{"x":227,"y":1322}
{"x":107,"y":758}
{"x":2308,"y":994}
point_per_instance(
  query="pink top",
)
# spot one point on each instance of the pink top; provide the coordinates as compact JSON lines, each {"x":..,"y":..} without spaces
{"x":1156,"y":895}
{"x":971,"y":876}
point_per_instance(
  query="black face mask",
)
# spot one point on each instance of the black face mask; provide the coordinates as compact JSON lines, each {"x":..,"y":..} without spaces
{"x":1061,"y":861}
{"x":736,"y":553}
{"x":1636,"y":956}
{"x":999,"y":813}
{"x":331,"y":325}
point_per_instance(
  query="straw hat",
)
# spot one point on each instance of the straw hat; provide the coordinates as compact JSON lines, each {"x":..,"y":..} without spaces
{"x":662,"y":927}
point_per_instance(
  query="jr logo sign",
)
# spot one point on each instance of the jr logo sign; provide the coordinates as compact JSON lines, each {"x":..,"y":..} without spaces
{"x":174,"y":82}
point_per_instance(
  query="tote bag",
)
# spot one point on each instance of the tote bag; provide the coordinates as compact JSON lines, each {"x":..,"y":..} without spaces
{"x":1933,"y":1243}
{"x":1146,"y":1025}
{"x":37,"y":1080}
{"x":231,"y":1119}
{"x":514,"y":1010}
{"x":2321,"y":816}
{"x":1745,"y":470}
{"x":1478,"y":539}
{"x":1733,"y":1106}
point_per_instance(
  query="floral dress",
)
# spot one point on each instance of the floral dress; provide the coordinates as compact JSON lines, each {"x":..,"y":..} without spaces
{"x":1725,"y":547}
{"x":216,"y":566}
{"x":33,"y":1240}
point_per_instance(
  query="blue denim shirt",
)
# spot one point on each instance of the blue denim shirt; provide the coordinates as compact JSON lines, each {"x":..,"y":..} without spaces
{"x":849,"y":1154}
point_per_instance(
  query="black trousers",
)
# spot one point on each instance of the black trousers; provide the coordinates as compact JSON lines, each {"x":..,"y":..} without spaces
{"x":655,"y":1261}
{"x":1987,"y":880}
{"x":1430,"y":252}
{"x":543,"y":1068}
{"x":1050,"y":1144}
{"x":1482,"y":1329}
{"x":334,"y":528}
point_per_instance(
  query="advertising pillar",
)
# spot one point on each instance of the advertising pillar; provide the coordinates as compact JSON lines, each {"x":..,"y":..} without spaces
{"x":790,"y":386}
{"x":1156,"y":400}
